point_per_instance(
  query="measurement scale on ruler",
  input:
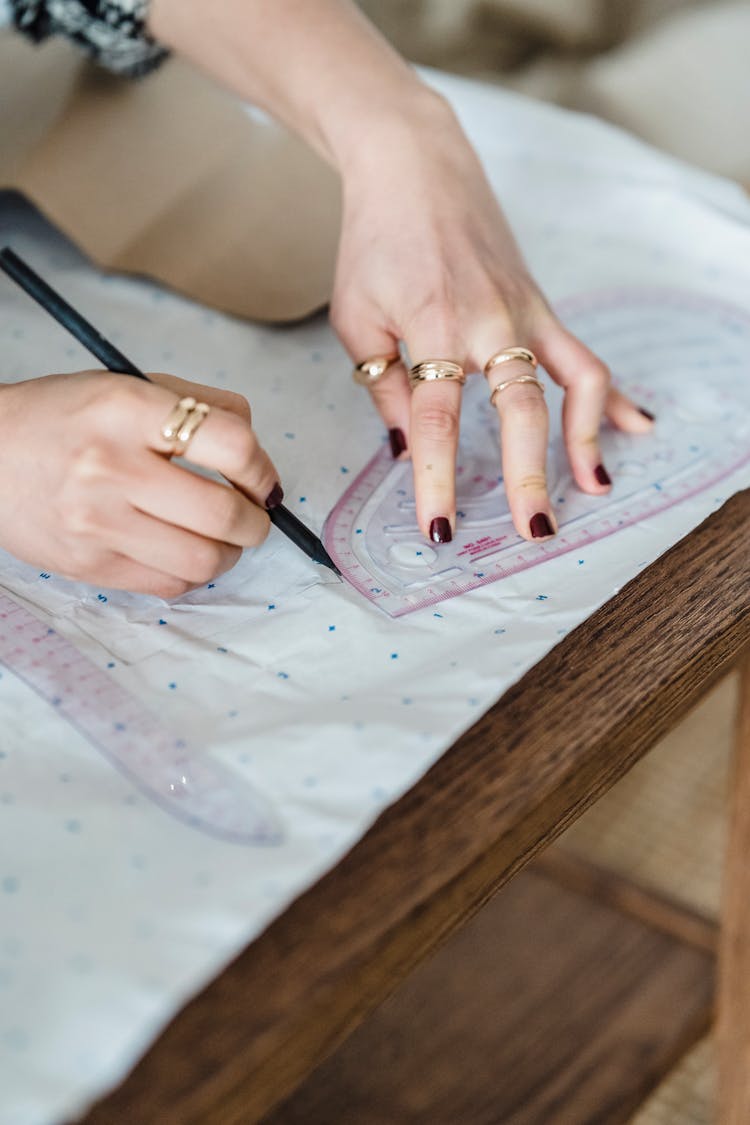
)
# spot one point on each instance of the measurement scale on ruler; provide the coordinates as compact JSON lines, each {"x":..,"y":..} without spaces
{"x":684,"y":357}
{"x":162,"y":766}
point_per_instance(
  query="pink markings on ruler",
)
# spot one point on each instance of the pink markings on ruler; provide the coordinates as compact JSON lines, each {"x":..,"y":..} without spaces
{"x":162,"y":765}
{"x":682,"y":355}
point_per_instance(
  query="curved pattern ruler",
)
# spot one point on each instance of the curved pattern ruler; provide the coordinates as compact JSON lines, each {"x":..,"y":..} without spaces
{"x":683,"y":356}
{"x":161,"y":765}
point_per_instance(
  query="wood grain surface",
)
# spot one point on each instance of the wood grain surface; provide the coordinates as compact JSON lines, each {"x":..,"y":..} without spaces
{"x":548,"y":1008}
{"x":734,"y":990}
{"x":555,"y":742}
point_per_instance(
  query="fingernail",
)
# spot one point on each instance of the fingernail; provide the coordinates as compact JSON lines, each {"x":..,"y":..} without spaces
{"x":398,"y":442}
{"x":275,"y":496}
{"x":540,"y":526}
{"x":440,"y":530}
{"x":602,"y":475}
{"x":647,"y":414}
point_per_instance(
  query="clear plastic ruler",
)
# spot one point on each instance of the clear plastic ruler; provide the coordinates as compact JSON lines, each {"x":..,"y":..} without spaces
{"x":181,"y":779}
{"x":683,"y":356}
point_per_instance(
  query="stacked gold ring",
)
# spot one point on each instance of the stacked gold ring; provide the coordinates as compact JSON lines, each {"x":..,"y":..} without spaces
{"x":370,"y":370}
{"x":525,"y":355}
{"x":508,"y":354}
{"x":433,"y":369}
{"x":184,"y":419}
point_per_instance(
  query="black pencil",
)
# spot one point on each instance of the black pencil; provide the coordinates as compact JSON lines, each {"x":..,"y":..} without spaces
{"x":113,"y":359}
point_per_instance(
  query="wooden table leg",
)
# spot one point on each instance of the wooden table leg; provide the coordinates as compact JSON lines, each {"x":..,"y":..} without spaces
{"x":734,"y":953}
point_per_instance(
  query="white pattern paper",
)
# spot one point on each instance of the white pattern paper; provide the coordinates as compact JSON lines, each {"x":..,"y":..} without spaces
{"x":113,"y":911}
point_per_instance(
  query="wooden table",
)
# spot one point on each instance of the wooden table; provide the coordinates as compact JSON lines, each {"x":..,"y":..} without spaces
{"x":554,"y":743}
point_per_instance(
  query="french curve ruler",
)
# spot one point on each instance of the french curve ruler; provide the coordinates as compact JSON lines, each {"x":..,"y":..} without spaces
{"x":163,"y":766}
{"x":685,"y":357}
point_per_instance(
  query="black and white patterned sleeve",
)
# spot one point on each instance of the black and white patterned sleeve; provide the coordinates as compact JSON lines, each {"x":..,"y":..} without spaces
{"x":111,"y":31}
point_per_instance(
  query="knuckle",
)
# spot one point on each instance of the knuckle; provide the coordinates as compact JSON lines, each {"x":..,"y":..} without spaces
{"x":586,"y":440}
{"x":169,"y":587}
{"x":240,"y":446}
{"x":229,"y":512}
{"x":525,"y":404}
{"x":594,"y":376}
{"x":205,"y":561}
{"x":236,"y":404}
{"x":260,"y":531}
{"x":436,"y":424}
{"x":532,"y":482}
{"x":113,"y":399}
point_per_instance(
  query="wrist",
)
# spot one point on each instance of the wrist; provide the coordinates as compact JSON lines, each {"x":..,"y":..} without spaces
{"x":387,"y":129}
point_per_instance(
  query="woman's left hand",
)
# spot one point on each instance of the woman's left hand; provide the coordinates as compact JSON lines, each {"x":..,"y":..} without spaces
{"x":427,"y":257}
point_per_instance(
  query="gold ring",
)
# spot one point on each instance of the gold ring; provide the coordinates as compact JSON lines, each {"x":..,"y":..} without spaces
{"x":431,"y":369}
{"x":507,"y":354}
{"x":518,"y":379}
{"x":370,"y":370}
{"x":182,"y":422}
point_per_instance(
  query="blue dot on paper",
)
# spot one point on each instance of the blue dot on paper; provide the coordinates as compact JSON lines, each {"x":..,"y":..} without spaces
{"x":358,"y":531}
{"x":10,"y":884}
{"x":162,"y":621}
{"x":120,"y":726}
{"x":283,"y":675}
{"x":331,"y":628}
{"x":111,"y":664}
{"x":437,"y":615}
{"x":101,"y":598}
{"x":73,"y":826}
{"x":289,"y":436}
{"x":344,"y":469}
{"x":272,"y":605}
{"x":394,"y":656}
{"x":542,"y":597}
{"x":581,"y":562}
{"x":172,"y":686}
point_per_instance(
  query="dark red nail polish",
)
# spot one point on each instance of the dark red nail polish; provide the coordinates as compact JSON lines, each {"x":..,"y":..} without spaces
{"x":540,"y":526}
{"x":647,"y":414}
{"x":602,"y":475}
{"x":398,"y":442}
{"x":440,"y":530}
{"x":275,"y":496}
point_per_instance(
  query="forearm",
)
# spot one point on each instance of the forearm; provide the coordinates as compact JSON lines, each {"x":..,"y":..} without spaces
{"x":316,"y":65}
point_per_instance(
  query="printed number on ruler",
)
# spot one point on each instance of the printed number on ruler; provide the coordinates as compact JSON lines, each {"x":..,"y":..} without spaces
{"x":684,"y":357}
{"x":164,"y":767}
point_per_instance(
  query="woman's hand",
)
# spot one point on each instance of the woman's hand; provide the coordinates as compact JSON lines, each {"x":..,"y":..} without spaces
{"x":89,"y":490}
{"x":426,"y":257}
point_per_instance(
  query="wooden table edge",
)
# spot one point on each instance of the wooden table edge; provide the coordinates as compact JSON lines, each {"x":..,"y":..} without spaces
{"x":432,"y":859}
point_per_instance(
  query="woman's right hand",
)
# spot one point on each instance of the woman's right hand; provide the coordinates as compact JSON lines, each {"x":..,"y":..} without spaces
{"x":88,"y":490}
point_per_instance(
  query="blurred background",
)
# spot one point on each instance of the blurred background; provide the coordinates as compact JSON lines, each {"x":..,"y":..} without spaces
{"x":676,"y":72}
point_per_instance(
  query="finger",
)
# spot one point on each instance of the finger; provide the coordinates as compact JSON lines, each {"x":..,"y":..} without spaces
{"x":435,"y":416}
{"x":226,"y":443}
{"x":436,"y":408}
{"x":391,"y":395}
{"x":161,"y":546}
{"x":214,"y":396}
{"x":117,"y":572}
{"x":586,"y":381}
{"x":392,"y":398}
{"x":215,"y":511}
{"x":624,"y":413}
{"x":524,"y":433}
